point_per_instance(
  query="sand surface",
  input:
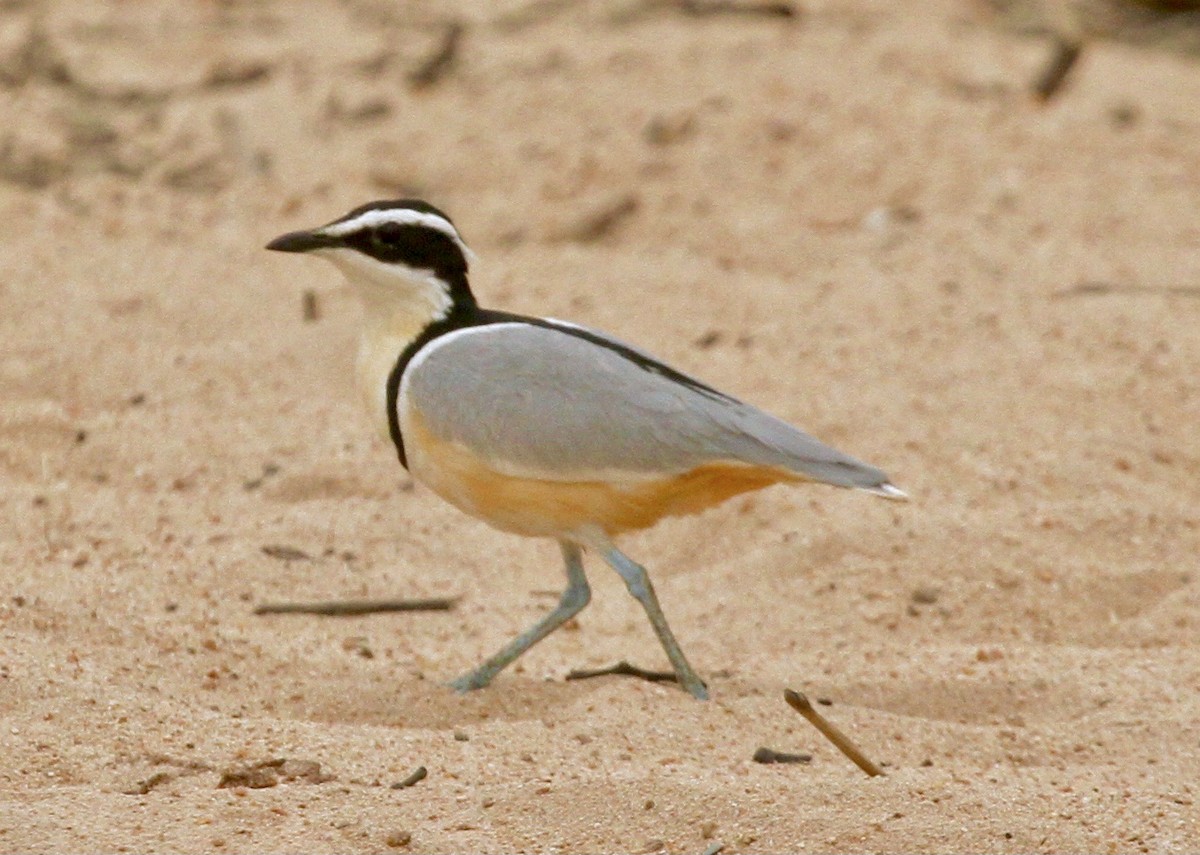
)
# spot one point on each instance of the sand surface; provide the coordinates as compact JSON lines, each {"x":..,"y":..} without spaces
{"x":856,"y":218}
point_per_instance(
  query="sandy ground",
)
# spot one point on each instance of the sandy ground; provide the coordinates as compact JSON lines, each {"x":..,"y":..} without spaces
{"x":856,"y":218}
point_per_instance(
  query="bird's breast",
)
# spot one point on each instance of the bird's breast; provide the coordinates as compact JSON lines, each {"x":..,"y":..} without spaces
{"x":378,"y":353}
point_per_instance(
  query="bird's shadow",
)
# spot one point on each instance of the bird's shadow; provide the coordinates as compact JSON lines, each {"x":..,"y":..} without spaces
{"x":412,"y":702}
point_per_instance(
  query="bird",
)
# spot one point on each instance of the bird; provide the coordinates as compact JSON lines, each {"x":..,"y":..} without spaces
{"x":542,"y":427}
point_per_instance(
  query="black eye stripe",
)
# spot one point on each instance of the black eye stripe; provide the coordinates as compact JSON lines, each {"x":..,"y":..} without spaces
{"x":417,"y":246}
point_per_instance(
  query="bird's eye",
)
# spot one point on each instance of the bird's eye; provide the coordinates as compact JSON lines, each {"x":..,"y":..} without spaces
{"x":388,"y":234}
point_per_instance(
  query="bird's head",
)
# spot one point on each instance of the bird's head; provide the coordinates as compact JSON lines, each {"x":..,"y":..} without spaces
{"x":401,"y":250}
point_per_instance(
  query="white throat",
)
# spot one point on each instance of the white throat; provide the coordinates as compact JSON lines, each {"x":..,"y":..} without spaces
{"x":398,"y":303}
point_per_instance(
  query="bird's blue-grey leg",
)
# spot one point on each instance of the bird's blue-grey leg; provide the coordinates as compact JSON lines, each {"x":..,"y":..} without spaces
{"x":638,"y":581}
{"x":575,"y":597}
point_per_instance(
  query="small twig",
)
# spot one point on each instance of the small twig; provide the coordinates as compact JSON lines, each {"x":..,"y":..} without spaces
{"x":268,"y":470}
{"x":624,"y":669}
{"x":536,"y":12}
{"x":417,"y":774}
{"x":800,"y":704}
{"x":594,"y":225}
{"x":770,"y":755}
{"x":1051,"y":78}
{"x":311,"y":308}
{"x":285,"y":553}
{"x":358,"y":607}
{"x":435,"y":66}
{"x":1100,"y":289}
{"x":703,"y":8}
{"x":143,"y":787}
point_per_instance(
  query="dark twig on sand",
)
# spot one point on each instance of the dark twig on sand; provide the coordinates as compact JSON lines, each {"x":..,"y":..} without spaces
{"x":701,"y":8}
{"x":536,"y":12}
{"x":358,"y":607}
{"x":310,"y":308}
{"x":417,"y":774}
{"x":770,"y":755}
{"x":624,"y":669}
{"x":285,"y":553}
{"x":439,"y":63}
{"x":1066,"y":53}
{"x":596,"y":224}
{"x":707,"y":9}
{"x":800,"y":704}
{"x":1100,"y":289}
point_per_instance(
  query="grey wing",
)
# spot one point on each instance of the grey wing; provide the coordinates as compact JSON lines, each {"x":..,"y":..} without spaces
{"x":566,"y":403}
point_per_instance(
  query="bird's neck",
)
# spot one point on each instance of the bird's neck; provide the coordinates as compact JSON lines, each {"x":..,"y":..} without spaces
{"x":395,"y":314}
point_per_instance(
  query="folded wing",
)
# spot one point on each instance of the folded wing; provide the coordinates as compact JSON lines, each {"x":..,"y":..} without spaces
{"x":561,"y":403}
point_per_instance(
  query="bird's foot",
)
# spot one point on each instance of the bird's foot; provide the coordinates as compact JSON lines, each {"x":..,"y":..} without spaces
{"x":469,"y":682}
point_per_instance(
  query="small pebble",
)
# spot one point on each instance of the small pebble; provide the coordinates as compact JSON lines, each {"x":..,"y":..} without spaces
{"x":1124,"y":115}
{"x":398,"y":839}
{"x":925,"y":595}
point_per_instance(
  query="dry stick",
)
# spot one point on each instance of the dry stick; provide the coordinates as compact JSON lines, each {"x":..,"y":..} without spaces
{"x":358,"y":607}
{"x":537,"y":12}
{"x":437,"y":64}
{"x":800,"y":704}
{"x":706,"y":9}
{"x":1062,"y":60}
{"x":311,"y":309}
{"x":417,"y":774}
{"x":143,"y":787}
{"x":596,"y":224}
{"x":285,"y":553}
{"x":701,"y":8}
{"x":770,"y":755}
{"x":1100,"y":289}
{"x":624,"y":669}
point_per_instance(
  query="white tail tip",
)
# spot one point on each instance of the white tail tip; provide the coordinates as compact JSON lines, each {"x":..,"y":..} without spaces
{"x":889,"y":491}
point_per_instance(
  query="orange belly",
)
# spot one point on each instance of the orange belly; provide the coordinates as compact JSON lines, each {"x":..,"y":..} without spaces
{"x":543,"y":508}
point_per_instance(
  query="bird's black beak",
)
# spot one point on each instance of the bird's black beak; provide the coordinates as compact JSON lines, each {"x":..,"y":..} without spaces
{"x":303,"y":241}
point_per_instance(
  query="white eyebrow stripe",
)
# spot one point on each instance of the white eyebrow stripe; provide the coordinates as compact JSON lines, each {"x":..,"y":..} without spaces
{"x":400,"y":216}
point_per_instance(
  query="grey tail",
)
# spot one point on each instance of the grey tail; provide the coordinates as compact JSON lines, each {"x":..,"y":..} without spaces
{"x":887,"y":490}
{"x":841,"y":470}
{"x":823,"y":463}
